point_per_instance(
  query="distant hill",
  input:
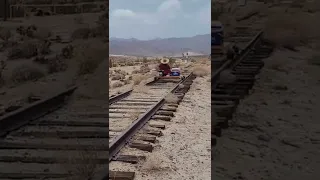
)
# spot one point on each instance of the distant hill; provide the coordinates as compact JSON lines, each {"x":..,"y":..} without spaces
{"x":199,"y":44}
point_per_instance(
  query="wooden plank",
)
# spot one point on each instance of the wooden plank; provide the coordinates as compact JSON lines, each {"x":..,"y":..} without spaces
{"x":121,"y":175}
{"x":152,"y":132}
{"x":32,"y":171}
{"x":90,"y":123}
{"x":144,"y":147}
{"x":130,"y":158}
{"x":159,"y":117}
{"x":160,"y":126}
{"x":65,"y":134}
{"x":54,"y":157}
{"x":151,"y":139}
{"x":55,"y":144}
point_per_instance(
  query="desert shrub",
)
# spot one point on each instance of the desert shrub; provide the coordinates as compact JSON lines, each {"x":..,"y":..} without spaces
{"x":200,"y":71}
{"x":25,"y":73}
{"x":5,"y":34}
{"x":137,"y":79}
{"x":171,"y":98}
{"x":117,"y":84}
{"x":89,"y":59}
{"x":81,"y":33}
{"x":56,"y":64}
{"x":26,"y":49}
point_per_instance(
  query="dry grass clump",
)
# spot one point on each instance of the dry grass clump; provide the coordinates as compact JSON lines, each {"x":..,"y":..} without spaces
{"x":67,"y":52}
{"x":136,"y":71}
{"x":137,"y":79}
{"x":81,"y":33}
{"x":119,"y":71}
{"x":157,"y":161}
{"x":171,"y":98}
{"x":144,"y":68}
{"x":129,"y":63}
{"x":117,"y":76}
{"x":24,"y":50}
{"x":29,"y":49}
{"x":56,"y":64}
{"x":134,"y":115}
{"x":26,"y":72}
{"x":33,"y":31}
{"x":200,"y":71}
{"x":127,"y":80}
{"x":83,"y":168}
{"x":42,"y":34}
{"x":5,"y":34}
{"x":116,"y":84}
{"x":181,"y":86}
{"x":89,"y":58}
{"x":141,"y":88}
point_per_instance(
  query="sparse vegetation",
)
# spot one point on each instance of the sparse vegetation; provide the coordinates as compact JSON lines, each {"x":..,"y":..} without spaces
{"x":171,"y":98}
{"x":137,"y":79}
{"x":200,"y":71}
{"x":85,"y":167}
{"x":57,"y":64}
{"x":25,"y":73}
{"x":116,"y":84}
{"x":90,"y":59}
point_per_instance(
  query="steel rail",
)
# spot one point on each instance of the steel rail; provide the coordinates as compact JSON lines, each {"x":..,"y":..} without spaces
{"x":119,"y":97}
{"x":121,"y":140}
{"x":38,"y":109}
{"x":215,"y":76}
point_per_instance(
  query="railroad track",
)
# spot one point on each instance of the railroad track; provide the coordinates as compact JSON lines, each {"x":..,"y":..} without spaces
{"x":50,"y":139}
{"x":240,"y":37}
{"x":139,"y":133}
{"x":227,"y":95}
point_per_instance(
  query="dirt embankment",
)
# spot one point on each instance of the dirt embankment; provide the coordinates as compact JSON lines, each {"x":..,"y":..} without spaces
{"x":275,"y":132}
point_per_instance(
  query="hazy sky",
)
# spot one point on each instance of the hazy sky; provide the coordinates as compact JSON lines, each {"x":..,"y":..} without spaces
{"x":149,"y":19}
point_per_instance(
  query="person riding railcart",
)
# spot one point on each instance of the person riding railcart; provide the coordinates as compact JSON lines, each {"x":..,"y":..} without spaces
{"x":164,"y":67}
{"x":166,"y":72}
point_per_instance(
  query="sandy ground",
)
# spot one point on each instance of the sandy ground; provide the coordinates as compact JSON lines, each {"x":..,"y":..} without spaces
{"x":186,"y":141}
{"x":16,"y":93}
{"x":184,"y":150}
{"x":275,"y":133}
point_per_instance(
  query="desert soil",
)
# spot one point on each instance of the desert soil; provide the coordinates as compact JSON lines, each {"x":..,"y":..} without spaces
{"x":275,"y":133}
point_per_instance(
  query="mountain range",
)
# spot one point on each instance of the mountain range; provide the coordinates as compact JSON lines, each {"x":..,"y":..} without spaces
{"x":199,"y":44}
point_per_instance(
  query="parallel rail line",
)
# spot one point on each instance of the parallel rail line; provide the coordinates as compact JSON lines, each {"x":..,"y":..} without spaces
{"x":226,"y":96}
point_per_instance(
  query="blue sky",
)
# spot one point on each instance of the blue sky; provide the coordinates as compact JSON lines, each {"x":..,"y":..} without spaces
{"x":150,"y":19}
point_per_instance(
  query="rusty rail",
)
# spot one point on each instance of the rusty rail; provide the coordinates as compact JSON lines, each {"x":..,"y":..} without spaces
{"x":215,"y":75}
{"x":24,"y":115}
